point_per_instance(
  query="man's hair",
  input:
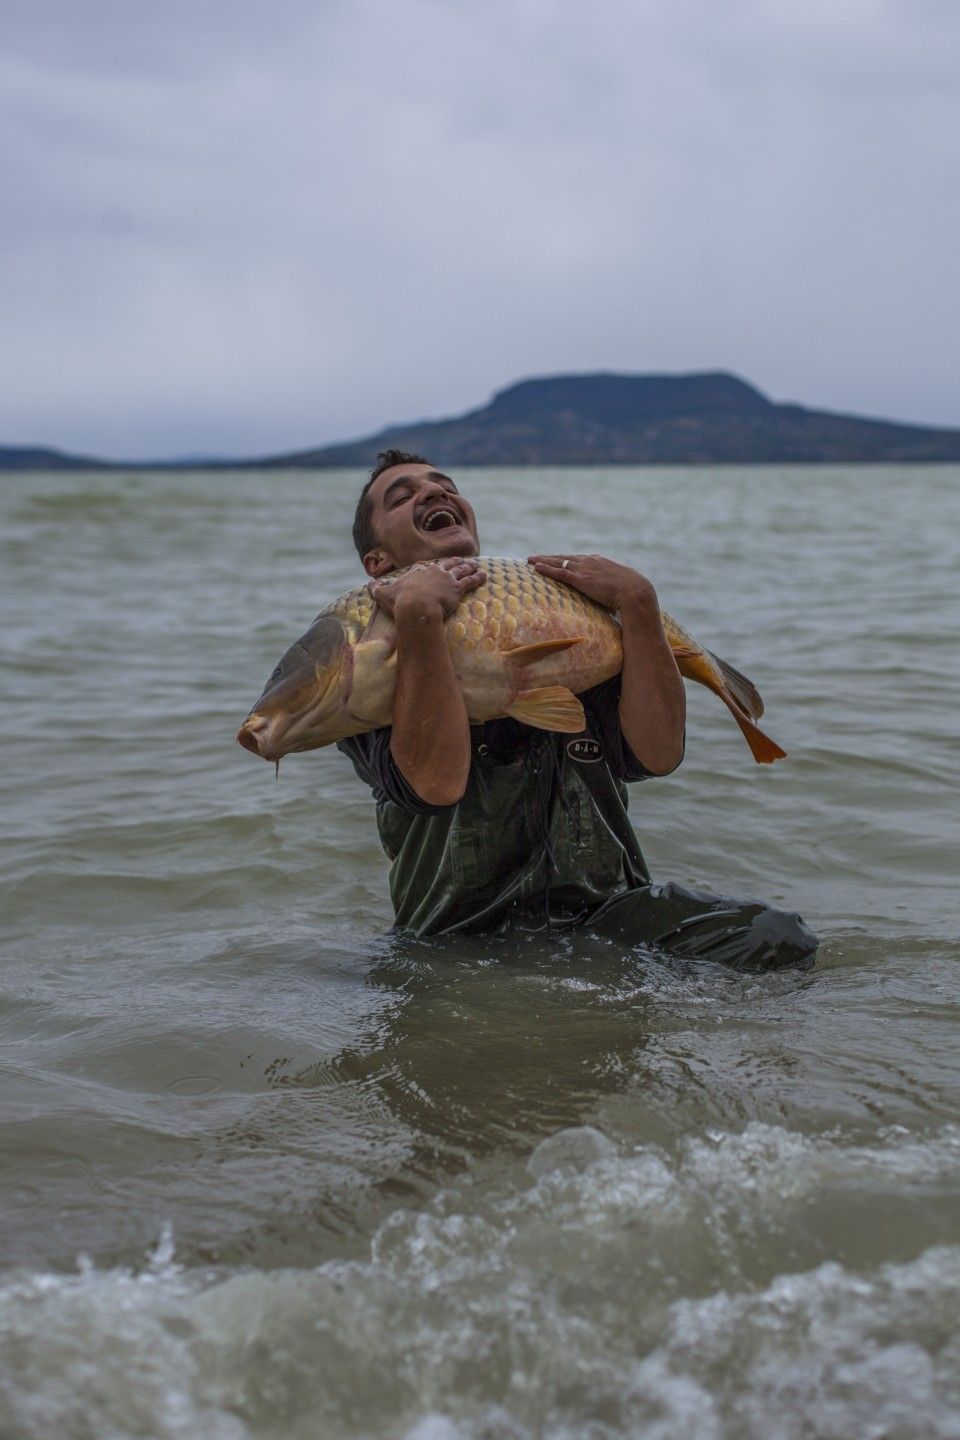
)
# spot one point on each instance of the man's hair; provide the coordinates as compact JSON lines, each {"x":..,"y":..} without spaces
{"x":363,"y":536}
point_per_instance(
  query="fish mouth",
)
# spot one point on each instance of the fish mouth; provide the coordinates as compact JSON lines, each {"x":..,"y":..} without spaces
{"x":252,"y":736}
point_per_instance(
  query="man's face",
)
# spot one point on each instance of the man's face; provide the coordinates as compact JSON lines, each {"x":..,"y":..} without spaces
{"x":417,"y":513}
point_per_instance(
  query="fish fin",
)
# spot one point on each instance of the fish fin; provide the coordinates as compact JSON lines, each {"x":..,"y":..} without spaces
{"x":762,"y":748}
{"x":540,"y":649}
{"x":685,"y":652}
{"x":380,"y":626}
{"x":551,"y":707}
{"x":703,"y":666}
{"x":738,"y":694}
{"x":743,"y":690}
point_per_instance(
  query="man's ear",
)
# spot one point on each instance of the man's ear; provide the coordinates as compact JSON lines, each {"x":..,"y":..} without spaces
{"x":376,"y":564}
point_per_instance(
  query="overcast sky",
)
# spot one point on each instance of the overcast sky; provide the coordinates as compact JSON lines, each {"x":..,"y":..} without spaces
{"x":236,"y":227}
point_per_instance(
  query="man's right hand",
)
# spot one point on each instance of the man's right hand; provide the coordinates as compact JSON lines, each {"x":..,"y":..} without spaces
{"x":430,"y":738}
{"x":428,"y":590}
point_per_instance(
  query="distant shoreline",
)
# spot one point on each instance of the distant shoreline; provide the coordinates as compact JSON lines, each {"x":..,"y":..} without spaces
{"x":121,"y":468}
{"x":712,"y":419}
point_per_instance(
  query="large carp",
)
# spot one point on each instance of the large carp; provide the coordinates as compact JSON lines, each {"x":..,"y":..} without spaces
{"x":521,"y":645}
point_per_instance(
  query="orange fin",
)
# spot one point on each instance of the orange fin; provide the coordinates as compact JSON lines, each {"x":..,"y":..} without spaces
{"x":685,"y":652}
{"x":530,"y":654}
{"x":763,"y":749}
{"x":552,"y":707}
{"x":738,"y":694}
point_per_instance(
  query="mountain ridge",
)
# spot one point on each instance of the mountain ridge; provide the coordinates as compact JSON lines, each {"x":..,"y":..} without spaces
{"x":602,"y":417}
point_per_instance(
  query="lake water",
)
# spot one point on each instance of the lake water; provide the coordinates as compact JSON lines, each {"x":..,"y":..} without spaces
{"x":265,"y":1175}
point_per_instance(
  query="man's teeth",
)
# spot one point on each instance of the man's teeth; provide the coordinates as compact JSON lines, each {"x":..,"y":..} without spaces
{"x":440,"y":519}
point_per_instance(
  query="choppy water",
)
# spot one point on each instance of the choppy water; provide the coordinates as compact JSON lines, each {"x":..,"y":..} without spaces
{"x":265,"y":1176}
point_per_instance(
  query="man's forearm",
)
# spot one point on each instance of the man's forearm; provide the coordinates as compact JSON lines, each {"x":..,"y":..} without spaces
{"x":652,"y":700}
{"x":431,"y":733}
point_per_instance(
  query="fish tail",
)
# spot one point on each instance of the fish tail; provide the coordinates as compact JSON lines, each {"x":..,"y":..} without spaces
{"x":762,"y":748}
{"x":739,"y":695}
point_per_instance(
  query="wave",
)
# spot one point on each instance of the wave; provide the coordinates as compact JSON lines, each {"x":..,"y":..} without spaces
{"x":592,"y":1294}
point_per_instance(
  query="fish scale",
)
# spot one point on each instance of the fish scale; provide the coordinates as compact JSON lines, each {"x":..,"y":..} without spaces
{"x":514,"y":597}
{"x":521,"y":644}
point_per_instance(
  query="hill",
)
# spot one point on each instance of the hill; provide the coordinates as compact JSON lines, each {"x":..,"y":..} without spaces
{"x":36,"y":457}
{"x":711,"y":418}
{"x":608,"y":419}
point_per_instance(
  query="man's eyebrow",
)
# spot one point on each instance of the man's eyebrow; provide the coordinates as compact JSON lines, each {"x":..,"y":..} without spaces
{"x":408,"y":480}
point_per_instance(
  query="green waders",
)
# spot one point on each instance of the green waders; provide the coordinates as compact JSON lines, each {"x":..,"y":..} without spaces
{"x":544,"y":841}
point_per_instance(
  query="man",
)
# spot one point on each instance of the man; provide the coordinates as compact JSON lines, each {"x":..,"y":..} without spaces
{"x":501,"y":826}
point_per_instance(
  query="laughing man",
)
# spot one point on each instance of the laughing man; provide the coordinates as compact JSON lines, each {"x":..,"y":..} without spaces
{"x":499,"y":826}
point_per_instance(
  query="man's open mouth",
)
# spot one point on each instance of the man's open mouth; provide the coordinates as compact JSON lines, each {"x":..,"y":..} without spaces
{"x":440,"y":519}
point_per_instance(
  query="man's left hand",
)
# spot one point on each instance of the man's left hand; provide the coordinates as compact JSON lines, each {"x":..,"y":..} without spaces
{"x":602,"y":580}
{"x":652,"y":703}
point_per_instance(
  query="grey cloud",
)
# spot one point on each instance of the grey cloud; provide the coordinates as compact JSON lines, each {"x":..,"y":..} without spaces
{"x":240,"y":227}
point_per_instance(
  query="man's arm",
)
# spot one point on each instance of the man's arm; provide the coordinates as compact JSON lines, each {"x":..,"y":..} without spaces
{"x":430,"y":738}
{"x":652,"y":700}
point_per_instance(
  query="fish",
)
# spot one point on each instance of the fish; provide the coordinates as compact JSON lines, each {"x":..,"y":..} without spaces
{"x":522,"y":645}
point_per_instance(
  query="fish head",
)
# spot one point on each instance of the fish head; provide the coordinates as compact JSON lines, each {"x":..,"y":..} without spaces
{"x":301,"y":704}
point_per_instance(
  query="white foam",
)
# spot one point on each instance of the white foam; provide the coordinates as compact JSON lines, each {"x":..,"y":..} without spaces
{"x":606,"y":1295}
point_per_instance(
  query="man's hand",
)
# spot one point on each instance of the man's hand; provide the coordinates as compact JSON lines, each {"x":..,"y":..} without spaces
{"x":430,"y":738}
{"x":652,"y":702}
{"x":602,"y":580}
{"x":428,"y":590}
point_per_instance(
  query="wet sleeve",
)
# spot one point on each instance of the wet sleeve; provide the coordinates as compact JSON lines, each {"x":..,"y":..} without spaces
{"x":373,"y":762}
{"x":602,"y":706}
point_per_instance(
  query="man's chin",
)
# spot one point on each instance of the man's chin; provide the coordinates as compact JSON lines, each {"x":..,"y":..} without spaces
{"x":456,"y":540}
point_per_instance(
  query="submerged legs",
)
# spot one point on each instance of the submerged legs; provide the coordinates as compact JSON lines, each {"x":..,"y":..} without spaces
{"x":745,"y":934}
